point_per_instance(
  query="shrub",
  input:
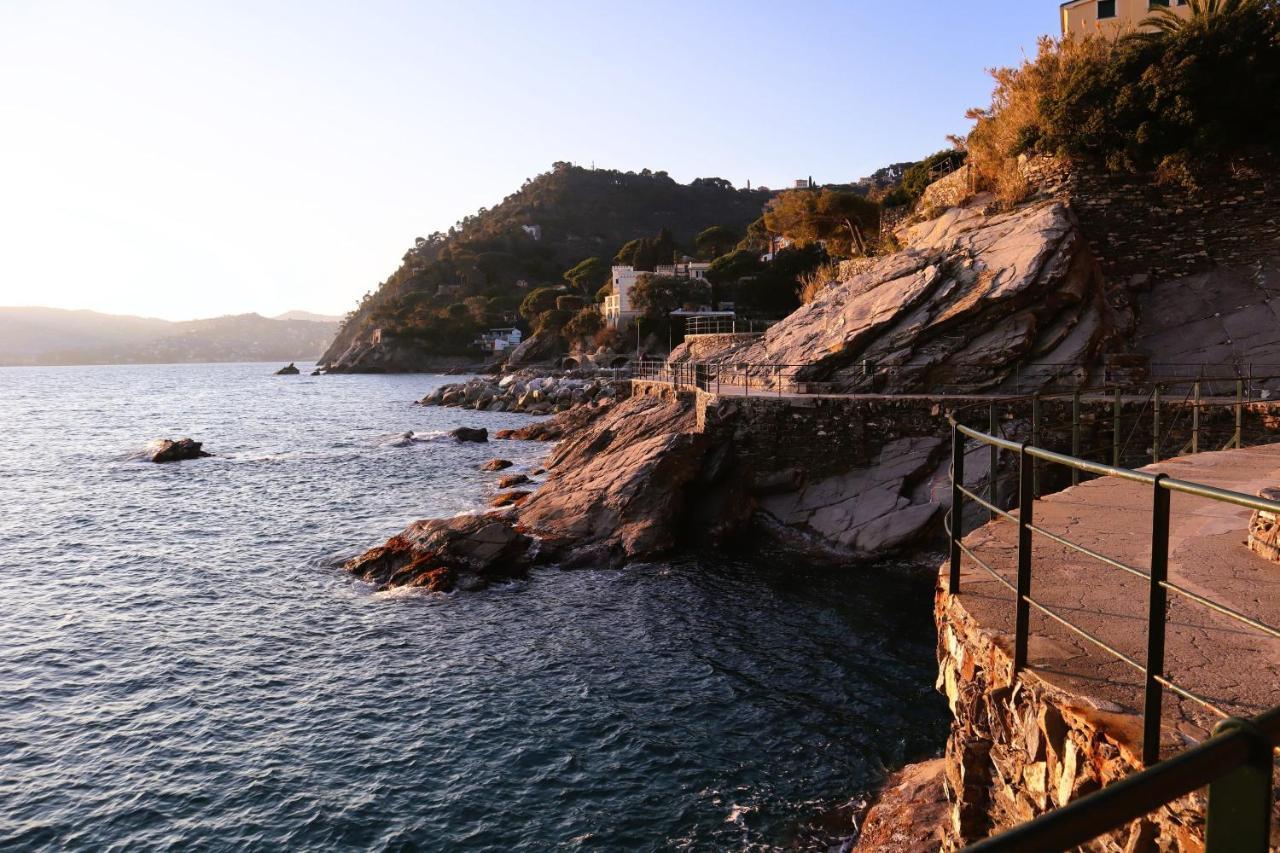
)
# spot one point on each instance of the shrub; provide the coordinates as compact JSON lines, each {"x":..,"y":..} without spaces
{"x":570,"y":303}
{"x":1203,"y":88}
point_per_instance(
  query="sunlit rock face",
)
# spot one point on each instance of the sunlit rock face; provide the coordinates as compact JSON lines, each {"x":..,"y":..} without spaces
{"x":975,"y":302}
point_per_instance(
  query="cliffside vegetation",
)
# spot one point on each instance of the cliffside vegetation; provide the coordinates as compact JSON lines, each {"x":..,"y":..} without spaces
{"x":1163,"y":98}
{"x":562,"y":228}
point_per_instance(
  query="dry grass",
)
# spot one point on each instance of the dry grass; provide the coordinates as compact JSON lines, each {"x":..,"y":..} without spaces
{"x":813,"y":283}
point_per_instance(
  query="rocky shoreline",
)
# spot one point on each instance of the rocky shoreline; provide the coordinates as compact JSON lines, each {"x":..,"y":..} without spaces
{"x":527,"y":391}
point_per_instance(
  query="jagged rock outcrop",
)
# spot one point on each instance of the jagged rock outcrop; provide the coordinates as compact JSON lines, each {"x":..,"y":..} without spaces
{"x":535,"y":349}
{"x":867,"y":511}
{"x":468,"y":552}
{"x":976,"y":302}
{"x":289,"y":369}
{"x":168,"y":450}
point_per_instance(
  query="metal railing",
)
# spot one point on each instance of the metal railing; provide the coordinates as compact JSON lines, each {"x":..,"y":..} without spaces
{"x":955,"y":378}
{"x":722,"y":325}
{"x":1237,"y":762}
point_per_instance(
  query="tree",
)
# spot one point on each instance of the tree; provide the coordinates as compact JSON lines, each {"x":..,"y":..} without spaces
{"x":656,"y":296}
{"x":538,"y":301}
{"x":585,"y":324}
{"x":570,"y":303}
{"x":549,"y":323}
{"x":839,"y":219}
{"x":715,"y":241}
{"x":627,"y":252}
{"x":1164,"y":22}
{"x":587,"y":275}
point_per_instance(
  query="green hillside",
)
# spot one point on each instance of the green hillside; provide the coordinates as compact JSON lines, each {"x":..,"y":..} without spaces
{"x":450,"y":284}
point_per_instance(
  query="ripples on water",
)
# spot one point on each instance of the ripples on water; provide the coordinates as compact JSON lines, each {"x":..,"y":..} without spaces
{"x":181,"y":664}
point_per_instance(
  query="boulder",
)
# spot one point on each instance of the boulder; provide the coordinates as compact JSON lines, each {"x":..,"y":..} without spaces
{"x":513,"y":480}
{"x":470,"y":435}
{"x":510,"y":499}
{"x":496,"y":465}
{"x":168,"y":450}
{"x":290,"y":369}
{"x":470,"y":551}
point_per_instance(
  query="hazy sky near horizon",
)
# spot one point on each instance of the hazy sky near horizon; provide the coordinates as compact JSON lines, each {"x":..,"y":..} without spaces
{"x":182,"y":159}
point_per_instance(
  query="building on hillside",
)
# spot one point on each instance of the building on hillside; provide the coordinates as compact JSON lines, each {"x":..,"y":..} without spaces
{"x":1113,"y":17}
{"x":499,"y":340}
{"x":617,"y":307}
{"x":776,"y":245}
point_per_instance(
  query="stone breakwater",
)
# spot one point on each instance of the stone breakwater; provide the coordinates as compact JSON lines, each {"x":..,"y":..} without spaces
{"x":527,"y":392}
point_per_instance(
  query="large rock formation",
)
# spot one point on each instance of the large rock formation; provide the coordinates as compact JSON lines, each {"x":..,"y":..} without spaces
{"x":972,"y":297}
{"x":976,"y":302}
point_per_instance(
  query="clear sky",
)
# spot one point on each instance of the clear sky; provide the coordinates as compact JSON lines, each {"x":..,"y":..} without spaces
{"x":184,"y":159}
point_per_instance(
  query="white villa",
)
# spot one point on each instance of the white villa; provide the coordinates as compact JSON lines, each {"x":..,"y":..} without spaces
{"x":617,"y":307}
{"x":499,"y":340}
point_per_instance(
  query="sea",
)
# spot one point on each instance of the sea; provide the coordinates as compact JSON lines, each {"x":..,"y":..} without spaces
{"x":185,"y":666}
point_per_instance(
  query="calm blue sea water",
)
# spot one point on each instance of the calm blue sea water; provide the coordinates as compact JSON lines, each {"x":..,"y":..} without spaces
{"x":183,"y":666}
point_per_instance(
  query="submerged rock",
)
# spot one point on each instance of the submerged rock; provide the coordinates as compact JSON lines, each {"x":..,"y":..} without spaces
{"x":470,"y":435}
{"x":290,"y":369}
{"x":168,"y":450}
{"x":497,"y":465}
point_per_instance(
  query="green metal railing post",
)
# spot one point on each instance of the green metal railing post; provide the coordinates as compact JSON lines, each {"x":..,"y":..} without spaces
{"x":1155,"y":427}
{"x":957,"y":506}
{"x":1239,"y":413}
{"x":1157,"y":614}
{"x":1026,"y":510}
{"x":1075,"y":434}
{"x":1115,"y":432}
{"x":1239,"y":814}
{"x":1195,"y":422}
{"x":993,"y":487}
{"x":1035,"y":441}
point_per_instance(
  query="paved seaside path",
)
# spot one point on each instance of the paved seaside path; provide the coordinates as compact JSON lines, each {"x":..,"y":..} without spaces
{"x":1230,"y":664}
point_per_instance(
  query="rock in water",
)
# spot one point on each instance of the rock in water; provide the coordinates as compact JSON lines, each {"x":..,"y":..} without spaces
{"x":467,"y":552}
{"x":513,"y":480}
{"x":515,"y":498}
{"x":289,"y":370}
{"x":468,"y":434}
{"x":168,"y":450}
{"x":496,"y":465}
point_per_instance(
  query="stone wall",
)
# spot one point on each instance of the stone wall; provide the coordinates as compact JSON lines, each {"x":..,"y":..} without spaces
{"x":1143,"y":230}
{"x":1021,"y":748}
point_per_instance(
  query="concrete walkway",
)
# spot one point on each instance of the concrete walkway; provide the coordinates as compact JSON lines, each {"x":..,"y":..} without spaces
{"x":1228,"y":663}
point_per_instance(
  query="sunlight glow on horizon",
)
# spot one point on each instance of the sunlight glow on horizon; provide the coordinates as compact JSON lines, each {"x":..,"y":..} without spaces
{"x":181,"y":161}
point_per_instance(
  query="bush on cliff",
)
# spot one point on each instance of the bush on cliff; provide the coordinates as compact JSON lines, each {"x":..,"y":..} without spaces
{"x":1201,"y":89}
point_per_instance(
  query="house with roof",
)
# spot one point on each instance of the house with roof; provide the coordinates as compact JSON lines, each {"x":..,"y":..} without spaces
{"x":618,"y":309}
{"x":1113,"y":17}
{"x":499,"y":340}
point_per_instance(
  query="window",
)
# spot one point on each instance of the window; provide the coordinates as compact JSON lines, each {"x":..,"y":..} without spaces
{"x":1106,"y":9}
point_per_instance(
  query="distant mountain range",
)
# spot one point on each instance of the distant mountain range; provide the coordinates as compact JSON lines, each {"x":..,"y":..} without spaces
{"x":52,"y":336}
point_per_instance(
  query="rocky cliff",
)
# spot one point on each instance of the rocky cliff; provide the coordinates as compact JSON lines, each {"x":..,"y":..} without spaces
{"x":977,"y":302}
{"x":974,"y":296}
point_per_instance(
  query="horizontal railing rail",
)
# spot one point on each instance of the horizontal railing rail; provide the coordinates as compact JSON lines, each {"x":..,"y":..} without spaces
{"x":1230,"y":761}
